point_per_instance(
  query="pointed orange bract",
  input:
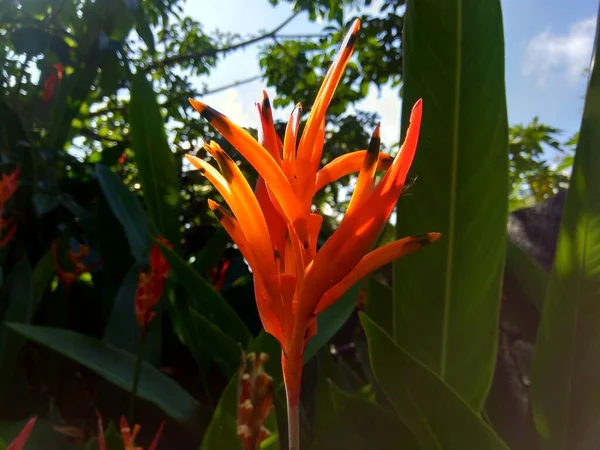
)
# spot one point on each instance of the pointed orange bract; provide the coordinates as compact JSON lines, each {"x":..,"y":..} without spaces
{"x":275,"y":230}
{"x":150,"y":285}
{"x":19,"y":442}
{"x":8,"y":187}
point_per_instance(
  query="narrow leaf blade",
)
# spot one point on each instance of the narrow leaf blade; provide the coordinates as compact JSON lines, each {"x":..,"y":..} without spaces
{"x":437,"y":416}
{"x":566,"y":365}
{"x":447,"y":297}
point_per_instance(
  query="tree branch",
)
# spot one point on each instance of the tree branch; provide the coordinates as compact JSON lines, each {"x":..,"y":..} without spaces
{"x":214,"y":51}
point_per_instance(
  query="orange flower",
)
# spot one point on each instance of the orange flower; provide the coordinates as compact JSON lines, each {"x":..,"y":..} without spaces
{"x":79,"y":267}
{"x":255,"y":401}
{"x":276,"y":231}
{"x":19,"y":442}
{"x":128,"y":435}
{"x":50,"y":82}
{"x":150,"y":285}
{"x":8,"y":186}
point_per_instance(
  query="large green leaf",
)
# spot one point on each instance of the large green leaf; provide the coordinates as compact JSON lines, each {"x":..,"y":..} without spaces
{"x":128,"y":210}
{"x":378,"y":426}
{"x":116,"y":366}
{"x":447,"y":297}
{"x":206,"y":300}
{"x":154,"y":159}
{"x":379,"y":304}
{"x":566,"y":366}
{"x":436,"y":415}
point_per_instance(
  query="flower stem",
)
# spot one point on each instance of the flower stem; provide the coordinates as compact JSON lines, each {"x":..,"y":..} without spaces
{"x":292,"y":377}
{"x":293,"y":412}
{"x":137,"y":372}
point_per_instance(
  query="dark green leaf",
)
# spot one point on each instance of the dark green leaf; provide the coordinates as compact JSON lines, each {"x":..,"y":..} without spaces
{"x":143,"y":27}
{"x":377,"y":426}
{"x":42,"y":275}
{"x":154,"y":159}
{"x":20,"y":309}
{"x":123,"y":330}
{"x":331,"y":320}
{"x":127,"y":210}
{"x":116,"y":366}
{"x":447,"y":297}
{"x":206,"y":300}
{"x":526,"y":275}
{"x":566,"y":365}
{"x":379,"y":304}
{"x":436,"y":415}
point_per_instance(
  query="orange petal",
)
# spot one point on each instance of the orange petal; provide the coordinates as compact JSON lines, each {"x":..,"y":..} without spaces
{"x":101,"y":440}
{"x":347,"y":164}
{"x":373,"y":261}
{"x":314,"y":227}
{"x":239,"y":196}
{"x":364,"y":183}
{"x":357,"y":231}
{"x":275,"y":221}
{"x":154,"y":442}
{"x":261,"y":160}
{"x":267,"y":309}
{"x":332,"y":79}
{"x":291,"y":141}
{"x":19,"y":442}
{"x":268,"y":137}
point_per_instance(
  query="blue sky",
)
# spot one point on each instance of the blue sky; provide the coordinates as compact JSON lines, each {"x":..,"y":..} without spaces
{"x":548,"y":47}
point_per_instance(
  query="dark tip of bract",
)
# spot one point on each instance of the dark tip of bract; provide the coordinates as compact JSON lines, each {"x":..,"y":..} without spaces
{"x":266,"y":103}
{"x":374,"y":143}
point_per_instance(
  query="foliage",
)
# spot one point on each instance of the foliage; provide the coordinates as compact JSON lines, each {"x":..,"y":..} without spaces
{"x":94,"y":112}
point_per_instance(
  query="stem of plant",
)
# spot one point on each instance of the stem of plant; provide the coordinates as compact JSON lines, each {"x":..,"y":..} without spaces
{"x":293,"y":412}
{"x":137,"y":372}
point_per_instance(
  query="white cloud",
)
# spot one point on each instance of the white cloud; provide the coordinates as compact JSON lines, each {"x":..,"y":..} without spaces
{"x":566,"y":55}
{"x":231,"y":104}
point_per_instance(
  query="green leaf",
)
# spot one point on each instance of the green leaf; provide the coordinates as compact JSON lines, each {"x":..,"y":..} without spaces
{"x":526,"y":275}
{"x":204,"y":338}
{"x":525,"y":285}
{"x":206,"y":300}
{"x":123,"y":330}
{"x":379,"y":427}
{"x":436,"y":415}
{"x":20,"y":309}
{"x":128,"y":210}
{"x":212,"y":252}
{"x":222,"y":431}
{"x":331,"y":320}
{"x":143,"y":27}
{"x":116,"y":366}
{"x":566,"y":365}
{"x":379,"y":304}
{"x":42,"y":275}
{"x":154,"y":159}
{"x":447,"y":297}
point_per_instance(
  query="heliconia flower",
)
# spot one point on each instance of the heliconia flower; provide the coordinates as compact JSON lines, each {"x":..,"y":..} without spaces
{"x":68,"y":277}
{"x":19,"y":442}
{"x":277,"y":233}
{"x":50,"y":82}
{"x":255,"y":400}
{"x":150,"y":285}
{"x":8,"y":186}
{"x":128,"y":435}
